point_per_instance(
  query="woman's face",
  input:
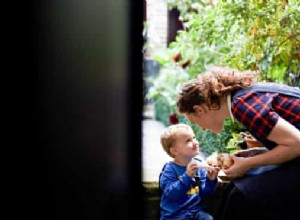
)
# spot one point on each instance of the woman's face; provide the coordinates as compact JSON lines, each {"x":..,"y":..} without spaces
{"x":206,"y":121}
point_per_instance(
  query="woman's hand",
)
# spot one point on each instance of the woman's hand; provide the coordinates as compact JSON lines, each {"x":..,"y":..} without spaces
{"x":238,"y":169}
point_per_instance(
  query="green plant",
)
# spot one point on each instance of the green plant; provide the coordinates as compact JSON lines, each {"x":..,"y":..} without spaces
{"x":254,"y":34}
{"x":236,"y":142}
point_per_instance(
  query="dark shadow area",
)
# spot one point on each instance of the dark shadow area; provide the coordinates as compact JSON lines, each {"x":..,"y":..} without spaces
{"x":80,"y":109}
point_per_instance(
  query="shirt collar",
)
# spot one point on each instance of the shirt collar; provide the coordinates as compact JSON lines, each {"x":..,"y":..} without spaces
{"x":229,"y":106}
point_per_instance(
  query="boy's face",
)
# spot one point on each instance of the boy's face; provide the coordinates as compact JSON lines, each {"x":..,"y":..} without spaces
{"x":186,"y":145}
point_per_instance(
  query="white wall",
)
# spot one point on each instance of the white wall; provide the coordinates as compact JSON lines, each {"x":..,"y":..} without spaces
{"x":157,"y":21}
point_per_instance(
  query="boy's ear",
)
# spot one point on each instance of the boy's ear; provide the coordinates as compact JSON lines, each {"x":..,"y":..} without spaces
{"x":173,"y":151}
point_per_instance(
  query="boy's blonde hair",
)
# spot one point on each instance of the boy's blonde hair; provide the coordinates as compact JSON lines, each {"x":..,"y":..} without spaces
{"x":168,"y":136}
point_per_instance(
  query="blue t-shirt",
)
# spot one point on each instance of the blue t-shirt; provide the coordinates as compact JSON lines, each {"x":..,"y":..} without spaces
{"x":182,"y":195}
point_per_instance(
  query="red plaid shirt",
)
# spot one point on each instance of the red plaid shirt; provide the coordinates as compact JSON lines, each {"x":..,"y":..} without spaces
{"x":259,"y":111}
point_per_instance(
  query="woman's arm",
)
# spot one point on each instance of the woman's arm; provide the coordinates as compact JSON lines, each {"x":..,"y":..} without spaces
{"x":285,"y":135}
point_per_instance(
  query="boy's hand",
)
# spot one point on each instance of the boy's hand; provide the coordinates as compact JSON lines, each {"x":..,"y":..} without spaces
{"x":212,"y":173}
{"x":191,"y":168}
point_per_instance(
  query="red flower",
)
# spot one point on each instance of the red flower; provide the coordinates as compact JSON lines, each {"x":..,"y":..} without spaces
{"x":176,"y":57}
{"x":173,"y":119}
{"x":185,"y":64}
{"x":296,"y":56}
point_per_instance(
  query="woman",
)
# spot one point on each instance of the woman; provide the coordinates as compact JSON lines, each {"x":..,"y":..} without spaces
{"x":271,"y":113}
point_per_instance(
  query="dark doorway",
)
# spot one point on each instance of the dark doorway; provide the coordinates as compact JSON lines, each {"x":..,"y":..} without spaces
{"x":85,"y":160}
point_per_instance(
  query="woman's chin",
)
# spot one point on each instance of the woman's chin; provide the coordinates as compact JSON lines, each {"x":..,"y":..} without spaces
{"x":216,"y":131}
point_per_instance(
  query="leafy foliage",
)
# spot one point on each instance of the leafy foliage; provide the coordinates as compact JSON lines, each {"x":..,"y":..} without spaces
{"x":252,"y":34}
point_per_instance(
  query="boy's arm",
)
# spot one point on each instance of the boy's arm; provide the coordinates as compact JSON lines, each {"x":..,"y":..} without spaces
{"x":172,"y":187}
{"x":208,"y":186}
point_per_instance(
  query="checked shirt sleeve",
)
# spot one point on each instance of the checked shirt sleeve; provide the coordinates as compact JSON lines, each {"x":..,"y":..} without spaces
{"x":255,"y":112}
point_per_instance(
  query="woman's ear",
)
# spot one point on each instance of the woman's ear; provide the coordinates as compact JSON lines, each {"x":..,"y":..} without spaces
{"x":199,"y":109}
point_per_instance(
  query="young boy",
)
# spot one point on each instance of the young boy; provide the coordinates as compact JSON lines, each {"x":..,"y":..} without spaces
{"x":182,"y":182}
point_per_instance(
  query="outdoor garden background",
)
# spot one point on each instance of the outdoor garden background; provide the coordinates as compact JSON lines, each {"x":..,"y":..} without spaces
{"x":254,"y":34}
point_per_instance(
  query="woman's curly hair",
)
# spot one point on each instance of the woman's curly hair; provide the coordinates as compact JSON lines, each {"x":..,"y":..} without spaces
{"x":210,"y":87}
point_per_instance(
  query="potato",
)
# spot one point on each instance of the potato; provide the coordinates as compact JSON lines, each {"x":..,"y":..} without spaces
{"x":222,"y":160}
{"x":225,"y":160}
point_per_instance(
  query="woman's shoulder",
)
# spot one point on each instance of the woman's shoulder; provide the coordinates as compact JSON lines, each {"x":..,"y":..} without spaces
{"x":268,"y":87}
